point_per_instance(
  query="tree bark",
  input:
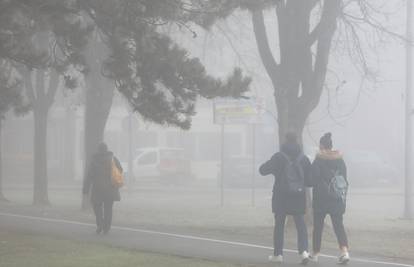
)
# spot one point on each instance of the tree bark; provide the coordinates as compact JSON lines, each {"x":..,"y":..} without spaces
{"x":69,"y":146}
{"x":40,"y":181}
{"x":290,"y":119}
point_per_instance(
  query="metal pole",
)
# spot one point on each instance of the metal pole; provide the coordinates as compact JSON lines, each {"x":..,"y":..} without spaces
{"x":253,"y":164}
{"x":222,"y":166}
{"x":130,"y":160}
{"x":408,"y":114}
{"x":1,"y":161}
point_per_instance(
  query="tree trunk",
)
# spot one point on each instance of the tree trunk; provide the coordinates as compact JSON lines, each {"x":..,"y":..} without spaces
{"x":299,"y":76}
{"x":290,"y":119}
{"x":40,"y":185}
{"x":2,"y":198}
{"x":99,"y":94}
{"x":69,"y":151}
{"x":97,"y":108}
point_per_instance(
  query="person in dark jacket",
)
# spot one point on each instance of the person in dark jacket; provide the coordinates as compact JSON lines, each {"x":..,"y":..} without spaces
{"x":284,"y":202}
{"x":98,"y":183}
{"x":327,"y":163}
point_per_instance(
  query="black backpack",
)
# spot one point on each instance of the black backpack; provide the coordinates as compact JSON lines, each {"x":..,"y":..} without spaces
{"x":294,"y":174}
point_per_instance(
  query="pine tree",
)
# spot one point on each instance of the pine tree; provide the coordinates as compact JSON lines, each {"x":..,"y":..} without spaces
{"x":157,"y":77}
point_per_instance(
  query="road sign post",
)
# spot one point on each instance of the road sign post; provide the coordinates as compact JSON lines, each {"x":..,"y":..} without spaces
{"x":130,"y":125}
{"x":234,"y":111}
{"x":408,"y":117}
{"x":253,"y":165}
{"x":222,"y":167}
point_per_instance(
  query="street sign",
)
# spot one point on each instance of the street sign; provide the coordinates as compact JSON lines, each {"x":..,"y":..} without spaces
{"x":238,"y":111}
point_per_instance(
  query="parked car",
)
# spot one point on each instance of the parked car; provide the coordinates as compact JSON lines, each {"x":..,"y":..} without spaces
{"x":365,"y":168}
{"x":238,"y":173}
{"x":166,"y":164}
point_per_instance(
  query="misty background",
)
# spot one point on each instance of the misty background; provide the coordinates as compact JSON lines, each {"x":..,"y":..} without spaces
{"x":365,"y":116}
{"x":211,"y":182}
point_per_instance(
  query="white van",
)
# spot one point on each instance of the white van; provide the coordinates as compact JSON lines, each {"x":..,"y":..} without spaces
{"x":166,"y":164}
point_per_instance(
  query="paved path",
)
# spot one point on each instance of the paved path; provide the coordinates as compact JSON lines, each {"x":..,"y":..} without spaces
{"x":168,"y":243}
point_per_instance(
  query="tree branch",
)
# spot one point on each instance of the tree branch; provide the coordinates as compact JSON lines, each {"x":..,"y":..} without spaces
{"x":328,"y":26}
{"x":314,"y":35}
{"x":28,"y":84}
{"x":262,"y":41}
{"x":40,"y":83}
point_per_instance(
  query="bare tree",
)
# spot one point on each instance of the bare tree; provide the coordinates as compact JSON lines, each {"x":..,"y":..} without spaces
{"x":307,"y":31}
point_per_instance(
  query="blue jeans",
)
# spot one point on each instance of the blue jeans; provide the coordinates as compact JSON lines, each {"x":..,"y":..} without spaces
{"x":279,"y":233}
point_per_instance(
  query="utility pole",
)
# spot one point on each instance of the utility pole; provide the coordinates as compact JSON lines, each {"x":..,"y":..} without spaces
{"x":222,"y":165}
{"x":131,"y":148}
{"x":253,"y":181}
{"x":408,"y":115}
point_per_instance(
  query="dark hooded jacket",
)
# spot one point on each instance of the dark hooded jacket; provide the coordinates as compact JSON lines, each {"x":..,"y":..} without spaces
{"x":284,"y":202}
{"x":324,"y":166}
{"x":99,"y":178}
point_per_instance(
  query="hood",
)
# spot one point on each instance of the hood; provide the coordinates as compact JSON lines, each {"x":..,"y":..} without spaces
{"x":103,"y":155}
{"x":329,"y":154}
{"x":292,"y":150}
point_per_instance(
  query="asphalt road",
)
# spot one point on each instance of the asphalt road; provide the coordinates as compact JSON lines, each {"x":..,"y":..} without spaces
{"x":169,"y":243}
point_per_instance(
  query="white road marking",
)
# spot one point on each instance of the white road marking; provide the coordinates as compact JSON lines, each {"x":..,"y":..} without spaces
{"x":190,"y":237}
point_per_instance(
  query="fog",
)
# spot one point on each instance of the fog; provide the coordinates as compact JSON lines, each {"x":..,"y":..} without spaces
{"x":211,"y":185}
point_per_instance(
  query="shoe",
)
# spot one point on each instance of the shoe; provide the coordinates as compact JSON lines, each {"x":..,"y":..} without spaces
{"x":98,"y":230}
{"x":304,"y":258}
{"x":344,"y":258}
{"x":314,"y":257}
{"x":276,"y":259}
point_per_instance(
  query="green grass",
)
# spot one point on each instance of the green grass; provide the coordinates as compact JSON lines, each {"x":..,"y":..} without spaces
{"x":29,"y":250}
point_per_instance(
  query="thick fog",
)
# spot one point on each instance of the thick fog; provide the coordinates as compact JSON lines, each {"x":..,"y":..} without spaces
{"x":205,"y":180}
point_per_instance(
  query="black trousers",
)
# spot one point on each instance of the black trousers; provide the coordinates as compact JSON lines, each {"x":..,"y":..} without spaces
{"x":338,"y":226}
{"x":279,"y":233}
{"x":103,"y":214}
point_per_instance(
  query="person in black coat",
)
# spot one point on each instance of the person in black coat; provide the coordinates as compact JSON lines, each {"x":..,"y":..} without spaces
{"x":326,"y":165}
{"x":98,"y":182}
{"x":285,"y":202}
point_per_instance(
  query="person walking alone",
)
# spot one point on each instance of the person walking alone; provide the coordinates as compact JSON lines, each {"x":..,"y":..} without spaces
{"x":291,"y":169}
{"x":330,"y":185}
{"x":99,"y":183}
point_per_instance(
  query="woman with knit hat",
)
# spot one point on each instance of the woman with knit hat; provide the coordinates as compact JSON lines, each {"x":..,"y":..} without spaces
{"x":329,"y":196}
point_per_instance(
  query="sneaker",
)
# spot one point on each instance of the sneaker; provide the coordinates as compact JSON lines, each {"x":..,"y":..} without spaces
{"x":98,"y":230}
{"x":106,"y":229}
{"x":304,"y":258}
{"x":314,"y":257}
{"x":277,"y":259}
{"x":343,"y":259}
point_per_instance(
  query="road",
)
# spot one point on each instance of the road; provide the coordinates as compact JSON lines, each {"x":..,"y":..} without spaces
{"x":168,"y":243}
